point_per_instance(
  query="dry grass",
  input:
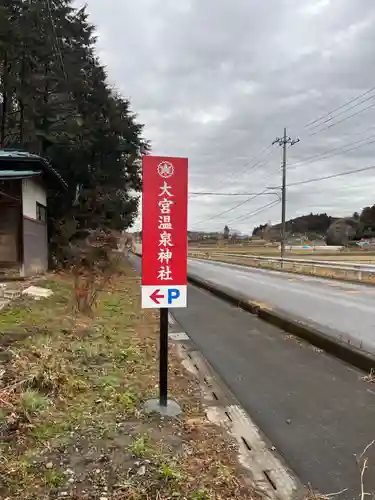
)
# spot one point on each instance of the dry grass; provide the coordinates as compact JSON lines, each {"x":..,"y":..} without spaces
{"x":314,"y":495}
{"x":349,"y":255}
{"x":72,"y":390}
{"x":362,"y":463}
{"x":370,"y":377}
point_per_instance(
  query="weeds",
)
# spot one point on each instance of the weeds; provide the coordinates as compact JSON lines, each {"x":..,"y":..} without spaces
{"x":32,"y":402}
{"x":71,"y":393}
{"x":201,"y":494}
{"x":170,"y":472}
{"x":141,"y":446}
{"x":225,"y":475}
{"x":127,"y":400}
{"x":45,"y":431}
{"x":50,"y":377}
{"x":54,"y":478}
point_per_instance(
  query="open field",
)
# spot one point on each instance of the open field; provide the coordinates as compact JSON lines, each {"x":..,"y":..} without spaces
{"x":72,"y":390}
{"x":349,"y":255}
{"x":292,"y":267}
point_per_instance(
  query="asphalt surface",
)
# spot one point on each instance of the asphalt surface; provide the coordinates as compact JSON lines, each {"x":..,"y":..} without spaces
{"x":316,"y":410}
{"x":340,"y":309}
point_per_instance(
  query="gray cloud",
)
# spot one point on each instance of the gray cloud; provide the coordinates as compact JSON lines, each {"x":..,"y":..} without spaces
{"x":218,"y":81}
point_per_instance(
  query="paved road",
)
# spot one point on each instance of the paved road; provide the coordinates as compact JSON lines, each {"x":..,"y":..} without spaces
{"x":341,"y":309}
{"x":316,"y":410}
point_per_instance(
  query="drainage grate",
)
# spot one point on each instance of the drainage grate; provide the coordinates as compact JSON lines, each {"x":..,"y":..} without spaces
{"x":215,"y":395}
{"x":229,"y":417}
{"x":269,"y":479}
{"x":265,"y":467}
{"x":245,"y":442}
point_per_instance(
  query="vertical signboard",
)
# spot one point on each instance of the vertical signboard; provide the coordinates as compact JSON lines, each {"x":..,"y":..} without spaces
{"x":164,"y":232}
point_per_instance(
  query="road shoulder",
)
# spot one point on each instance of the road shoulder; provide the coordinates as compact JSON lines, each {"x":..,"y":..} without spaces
{"x":256,"y":453}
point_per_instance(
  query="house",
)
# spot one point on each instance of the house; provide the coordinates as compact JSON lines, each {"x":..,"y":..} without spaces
{"x":24,"y":179}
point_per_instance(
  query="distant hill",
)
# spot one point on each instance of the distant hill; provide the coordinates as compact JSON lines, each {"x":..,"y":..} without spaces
{"x":317,"y":224}
{"x":335,"y":230}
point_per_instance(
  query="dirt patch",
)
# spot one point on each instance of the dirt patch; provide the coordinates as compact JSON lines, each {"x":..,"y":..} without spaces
{"x":9,"y":338}
{"x":72,"y":391}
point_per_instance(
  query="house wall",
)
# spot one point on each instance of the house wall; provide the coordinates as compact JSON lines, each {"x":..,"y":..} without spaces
{"x":35,"y":240}
{"x":9,"y":233}
{"x":10,"y":224}
{"x":32,"y":193}
{"x":35,"y":248}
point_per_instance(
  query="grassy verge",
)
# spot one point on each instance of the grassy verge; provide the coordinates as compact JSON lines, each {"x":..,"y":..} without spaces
{"x":71,"y":397}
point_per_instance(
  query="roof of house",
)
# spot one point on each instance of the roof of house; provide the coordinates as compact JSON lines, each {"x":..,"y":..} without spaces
{"x":22,"y":161}
{"x":18,"y":174}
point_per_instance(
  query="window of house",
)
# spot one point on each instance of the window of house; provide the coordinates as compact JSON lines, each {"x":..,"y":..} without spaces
{"x":41,"y":212}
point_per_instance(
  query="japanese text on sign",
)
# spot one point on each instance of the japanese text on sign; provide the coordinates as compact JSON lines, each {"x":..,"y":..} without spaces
{"x":164,"y":235}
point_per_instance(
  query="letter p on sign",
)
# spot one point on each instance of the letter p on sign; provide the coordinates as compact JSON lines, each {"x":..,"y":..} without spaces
{"x":173,"y":294}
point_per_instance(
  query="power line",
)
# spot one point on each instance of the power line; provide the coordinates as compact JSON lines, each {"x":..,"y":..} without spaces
{"x":339,"y":150}
{"x":255,"y":212}
{"x":344,"y":111}
{"x":213,"y":193}
{"x":342,"y":174}
{"x":253,"y":166}
{"x":342,"y":120}
{"x":357,"y":132}
{"x":232,"y":208}
{"x":341,"y":107}
{"x":240,"y":204}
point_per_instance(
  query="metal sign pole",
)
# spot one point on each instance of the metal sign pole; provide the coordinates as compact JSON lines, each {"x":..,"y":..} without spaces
{"x":164,"y":254}
{"x":163,"y":358}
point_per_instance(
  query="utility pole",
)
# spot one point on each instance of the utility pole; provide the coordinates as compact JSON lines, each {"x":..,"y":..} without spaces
{"x":284,"y":141}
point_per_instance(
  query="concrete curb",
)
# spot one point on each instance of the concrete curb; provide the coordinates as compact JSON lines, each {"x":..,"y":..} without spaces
{"x":344,"y":351}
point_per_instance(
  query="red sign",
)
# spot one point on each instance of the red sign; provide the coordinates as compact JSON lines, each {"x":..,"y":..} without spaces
{"x":164,"y":231}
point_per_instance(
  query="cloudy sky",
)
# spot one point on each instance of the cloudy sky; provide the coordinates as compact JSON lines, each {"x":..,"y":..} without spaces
{"x":218,"y":80}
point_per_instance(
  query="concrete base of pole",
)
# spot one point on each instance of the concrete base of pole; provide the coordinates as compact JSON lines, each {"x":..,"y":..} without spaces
{"x":172,"y":409}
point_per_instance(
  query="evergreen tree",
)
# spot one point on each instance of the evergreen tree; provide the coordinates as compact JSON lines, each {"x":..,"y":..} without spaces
{"x":55,"y":101}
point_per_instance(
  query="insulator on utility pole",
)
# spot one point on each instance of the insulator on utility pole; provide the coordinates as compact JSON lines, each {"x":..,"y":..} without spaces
{"x":284,"y":141}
